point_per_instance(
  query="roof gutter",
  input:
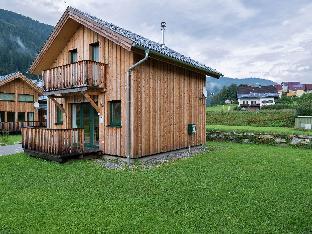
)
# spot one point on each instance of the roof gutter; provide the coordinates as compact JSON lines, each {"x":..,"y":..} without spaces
{"x":129,"y":90}
{"x":213,"y":74}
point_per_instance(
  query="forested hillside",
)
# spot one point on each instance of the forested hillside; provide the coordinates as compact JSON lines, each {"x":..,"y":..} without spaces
{"x":20,"y":39}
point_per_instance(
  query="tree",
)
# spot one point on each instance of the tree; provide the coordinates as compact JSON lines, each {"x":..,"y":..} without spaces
{"x":305,"y":105}
{"x":226,"y":93}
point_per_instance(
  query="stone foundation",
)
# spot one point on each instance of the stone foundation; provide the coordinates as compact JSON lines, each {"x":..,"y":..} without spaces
{"x":302,"y":141}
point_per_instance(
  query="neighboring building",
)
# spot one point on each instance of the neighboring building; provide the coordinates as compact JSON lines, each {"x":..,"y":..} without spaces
{"x":293,"y":89}
{"x":279,"y":89}
{"x":256,"y":96}
{"x":308,"y":88}
{"x":17,"y":97}
{"x":132,"y":96}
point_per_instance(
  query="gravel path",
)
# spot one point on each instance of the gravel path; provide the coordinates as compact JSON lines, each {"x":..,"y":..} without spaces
{"x":10,"y":149}
{"x":152,"y":161}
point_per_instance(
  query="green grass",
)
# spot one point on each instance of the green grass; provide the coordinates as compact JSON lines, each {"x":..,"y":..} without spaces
{"x":272,"y":130}
{"x":220,"y":108}
{"x":10,"y":139}
{"x":234,"y":188}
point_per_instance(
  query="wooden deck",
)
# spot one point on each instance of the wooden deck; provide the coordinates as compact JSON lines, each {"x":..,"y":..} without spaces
{"x":53,"y":144}
{"x":80,"y":74}
{"x":15,"y":127}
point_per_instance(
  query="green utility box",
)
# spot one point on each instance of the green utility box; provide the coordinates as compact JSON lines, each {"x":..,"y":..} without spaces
{"x":191,"y":129}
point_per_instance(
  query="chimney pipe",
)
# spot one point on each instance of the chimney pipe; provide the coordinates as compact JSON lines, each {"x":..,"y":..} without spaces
{"x":163,"y":28}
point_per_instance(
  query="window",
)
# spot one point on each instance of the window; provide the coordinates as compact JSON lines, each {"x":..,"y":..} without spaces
{"x":94,"y":49}
{"x":73,"y":56}
{"x":25,"y":98}
{"x":10,"y":116}
{"x":115,"y":113}
{"x":7,"y":97}
{"x":30,"y":116}
{"x":2,"y":116}
{"x":59,"y":115}
{"x":253,"y":102}
{"x":21,"y":117}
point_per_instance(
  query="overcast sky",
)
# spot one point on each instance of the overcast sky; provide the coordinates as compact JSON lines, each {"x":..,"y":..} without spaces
{"x":241,"y":38}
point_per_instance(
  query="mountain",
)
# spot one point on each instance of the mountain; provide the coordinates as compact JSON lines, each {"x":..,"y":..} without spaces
{"x":215,"y":85}
{"x":20,"y":39}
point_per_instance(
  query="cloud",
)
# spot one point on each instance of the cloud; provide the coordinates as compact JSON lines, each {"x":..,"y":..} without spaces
{"x":240,"y":38}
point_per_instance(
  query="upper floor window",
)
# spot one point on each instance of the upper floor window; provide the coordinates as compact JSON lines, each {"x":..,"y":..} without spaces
{"x":95,"y":52}
{"x":25,"y":98}
{"x":7,"y":97}
{"x":73,"y":56}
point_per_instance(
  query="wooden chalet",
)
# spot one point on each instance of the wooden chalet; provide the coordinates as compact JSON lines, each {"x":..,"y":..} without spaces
{"x":115,"y":92}
{"x":17,"y":97}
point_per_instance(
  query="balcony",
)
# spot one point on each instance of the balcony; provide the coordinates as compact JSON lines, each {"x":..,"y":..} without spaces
{"x":53,"y":144}
{"x":75,"y":77}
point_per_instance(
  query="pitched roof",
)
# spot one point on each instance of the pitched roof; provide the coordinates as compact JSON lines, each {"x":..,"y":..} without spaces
{"x":308,"y":87}
{"x":18,"y":75}
{"x":135,"y":40}
{"x":246,"y":91}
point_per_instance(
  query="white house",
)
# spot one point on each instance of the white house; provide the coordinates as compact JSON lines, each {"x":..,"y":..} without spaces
{"x":256,"y":96}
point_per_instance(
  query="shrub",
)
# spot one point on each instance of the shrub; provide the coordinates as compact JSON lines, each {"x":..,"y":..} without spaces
{"x":305,"y":105}
{"x":263,"y":118}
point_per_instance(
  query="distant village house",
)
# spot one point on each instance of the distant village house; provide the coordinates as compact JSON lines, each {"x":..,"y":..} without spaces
{"x":255,"y":97}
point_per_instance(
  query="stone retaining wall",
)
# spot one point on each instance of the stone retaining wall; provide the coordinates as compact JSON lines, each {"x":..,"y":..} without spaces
{"x":302,"y":141}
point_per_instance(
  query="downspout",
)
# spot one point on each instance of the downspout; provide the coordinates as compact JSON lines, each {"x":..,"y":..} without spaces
{"x":129,"y":135}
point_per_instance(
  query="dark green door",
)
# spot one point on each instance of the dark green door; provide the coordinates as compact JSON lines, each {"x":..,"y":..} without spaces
{"x":86,"y":117}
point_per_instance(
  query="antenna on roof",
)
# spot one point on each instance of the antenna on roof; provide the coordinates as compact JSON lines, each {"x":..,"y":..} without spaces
{"x":163,"y":28}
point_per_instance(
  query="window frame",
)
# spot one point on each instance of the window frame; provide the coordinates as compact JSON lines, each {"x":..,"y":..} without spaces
{"x":58,"y":116}
{"x":112,"y":119}
{"x":8,"y":100}
{"x":26,"y":95}
{"x":33,"y":116}
{"x":71,"y":57}
{"x":18,"y":117}
{"x":92,"y":46}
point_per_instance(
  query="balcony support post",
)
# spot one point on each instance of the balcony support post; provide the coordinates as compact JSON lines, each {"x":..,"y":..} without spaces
{"x":93,"y":104}
{"x":58,"y":105}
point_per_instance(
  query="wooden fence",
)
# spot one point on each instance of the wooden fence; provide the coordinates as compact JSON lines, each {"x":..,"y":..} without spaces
{"x":53,"y":141}
{"x":10,"y":127}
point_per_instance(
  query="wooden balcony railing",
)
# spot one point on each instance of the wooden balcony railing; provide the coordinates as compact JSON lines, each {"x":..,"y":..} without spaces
{"x":58,"y":142}
{"x":9,"y":127}
{"x":84,"y":73}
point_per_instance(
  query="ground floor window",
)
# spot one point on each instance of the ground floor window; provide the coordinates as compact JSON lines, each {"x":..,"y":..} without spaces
{"x":10,"y":116}
{"x":21,"y":117}
{"x":30,"y":116}
{"x":2,"y":116}
{"x":59,"y":115}
{"x":115,"y":113}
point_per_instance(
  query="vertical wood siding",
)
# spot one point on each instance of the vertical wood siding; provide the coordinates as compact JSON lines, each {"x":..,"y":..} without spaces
{"x":166,"y":99}
{"x":112,"y":140}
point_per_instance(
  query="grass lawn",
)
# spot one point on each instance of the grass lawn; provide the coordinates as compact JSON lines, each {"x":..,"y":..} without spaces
{"x":234,"y":188}
{"x":276,"y":130}
{"x":219,"y":108}
{"x":10,"y":139}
